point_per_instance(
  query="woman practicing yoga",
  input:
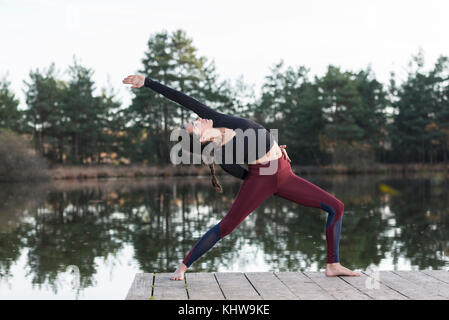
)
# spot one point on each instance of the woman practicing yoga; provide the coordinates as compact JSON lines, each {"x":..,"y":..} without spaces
{"x":257,"y":185}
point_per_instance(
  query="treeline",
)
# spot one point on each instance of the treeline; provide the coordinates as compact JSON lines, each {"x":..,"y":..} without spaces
{"x":342,"y":117}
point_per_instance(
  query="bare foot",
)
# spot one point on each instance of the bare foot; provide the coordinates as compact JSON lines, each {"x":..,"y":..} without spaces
{"x":179,"y":272}
{"x":336,"y":269}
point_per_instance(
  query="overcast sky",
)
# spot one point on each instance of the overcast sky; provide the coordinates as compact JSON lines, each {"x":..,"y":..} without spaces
{"x":243,"y":37}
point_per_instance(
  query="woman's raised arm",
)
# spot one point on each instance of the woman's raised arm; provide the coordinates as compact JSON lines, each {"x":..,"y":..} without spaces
{"x":200,"y":109}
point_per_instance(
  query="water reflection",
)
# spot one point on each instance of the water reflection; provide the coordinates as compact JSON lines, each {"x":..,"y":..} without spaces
{"x":109,"y":230}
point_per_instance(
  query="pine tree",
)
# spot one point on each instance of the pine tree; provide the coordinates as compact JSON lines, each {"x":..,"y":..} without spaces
{"x":10,"y":116}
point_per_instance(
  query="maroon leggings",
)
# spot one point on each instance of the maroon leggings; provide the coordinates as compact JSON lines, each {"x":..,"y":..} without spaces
{"x":257,"y":187}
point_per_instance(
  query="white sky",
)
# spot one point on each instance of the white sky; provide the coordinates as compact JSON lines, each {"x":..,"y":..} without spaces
{"x":243,"y":37}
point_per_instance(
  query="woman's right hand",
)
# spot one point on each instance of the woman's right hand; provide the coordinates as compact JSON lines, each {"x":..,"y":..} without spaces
{"x":136,"y":81}
{"x":285,"y":152}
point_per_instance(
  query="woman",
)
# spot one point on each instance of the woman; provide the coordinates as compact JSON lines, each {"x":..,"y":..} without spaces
{"x":213,"y":126}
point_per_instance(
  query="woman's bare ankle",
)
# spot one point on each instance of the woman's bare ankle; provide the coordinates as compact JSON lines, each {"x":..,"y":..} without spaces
{"x":179,"y":272}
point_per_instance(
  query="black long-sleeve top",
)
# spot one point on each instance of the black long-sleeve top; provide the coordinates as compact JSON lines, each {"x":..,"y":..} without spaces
{"x":222,"y":120}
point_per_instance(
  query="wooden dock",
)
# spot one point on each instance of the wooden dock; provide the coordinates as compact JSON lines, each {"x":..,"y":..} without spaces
{"x":383,"y":285}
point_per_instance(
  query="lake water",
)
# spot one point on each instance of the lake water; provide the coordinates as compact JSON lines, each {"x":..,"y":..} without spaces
{"x":87,"y":239}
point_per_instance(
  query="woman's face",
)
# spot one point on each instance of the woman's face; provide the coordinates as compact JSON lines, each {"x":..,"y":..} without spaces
{"x":199,"y":126}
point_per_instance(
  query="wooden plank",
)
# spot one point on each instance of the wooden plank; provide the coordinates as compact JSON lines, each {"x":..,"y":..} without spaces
{"x":166,"y":289}
{"x":394,"y":285}
{"x":203,"y":286}
{"x":235,"y":286}
{"x":441,"y":275}
{"x":430,"y":283}
{"x":141,"y":287}
{"x":373,"y":288}
{"x":406,"y":287}
{"x":269,"y":286}
{"x":336,"y":287}
{"x":303,"y":287}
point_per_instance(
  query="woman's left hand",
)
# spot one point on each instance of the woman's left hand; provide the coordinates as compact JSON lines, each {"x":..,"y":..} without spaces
{"x":137,"y":81}
{"x":285,"y":152}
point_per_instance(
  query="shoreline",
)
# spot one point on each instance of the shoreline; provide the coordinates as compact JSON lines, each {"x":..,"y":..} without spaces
{"x":67,"y":172}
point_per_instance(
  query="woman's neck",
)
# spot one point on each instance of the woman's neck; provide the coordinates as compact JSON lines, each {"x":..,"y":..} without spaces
{"x":226,"y":135}
{"x":219,"y":135}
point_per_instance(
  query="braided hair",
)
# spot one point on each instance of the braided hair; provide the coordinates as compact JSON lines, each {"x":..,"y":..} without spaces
{"x":215,"y":183}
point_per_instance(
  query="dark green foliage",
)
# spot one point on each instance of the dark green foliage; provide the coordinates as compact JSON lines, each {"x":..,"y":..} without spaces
{"x":341,"y":117}
{"x":69,"y":123}
{"x":420,"y":128}
{"x":173,"y":61}
{"x":10,"y":116}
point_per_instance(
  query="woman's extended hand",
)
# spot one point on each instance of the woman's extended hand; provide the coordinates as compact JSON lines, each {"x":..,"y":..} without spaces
{"x":136,"y":81}
{"x":285,"y":152}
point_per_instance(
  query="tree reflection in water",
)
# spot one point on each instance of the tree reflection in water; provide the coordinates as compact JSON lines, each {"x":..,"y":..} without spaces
{"x":65,"y":224}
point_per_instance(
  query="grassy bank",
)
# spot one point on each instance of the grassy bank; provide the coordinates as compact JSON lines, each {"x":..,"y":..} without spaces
{"x":136,"y":171}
